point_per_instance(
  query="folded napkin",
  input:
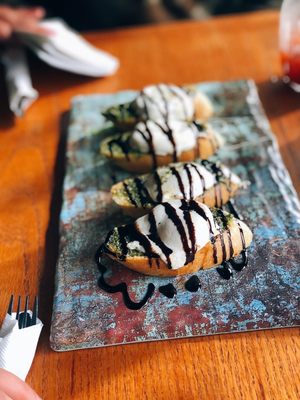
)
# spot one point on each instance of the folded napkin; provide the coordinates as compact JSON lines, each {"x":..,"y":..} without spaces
{"x":67,"y":50}
{"x":17,"y":346}
{"x":21,"y":94}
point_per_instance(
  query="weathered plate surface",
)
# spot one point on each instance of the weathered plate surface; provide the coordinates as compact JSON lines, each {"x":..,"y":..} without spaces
{"x":263,"y":295}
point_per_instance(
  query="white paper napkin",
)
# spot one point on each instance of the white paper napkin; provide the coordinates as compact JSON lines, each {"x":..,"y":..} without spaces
{"x":21,"y":94}
{"x":17,"y":346}
{"x":67,"y":50}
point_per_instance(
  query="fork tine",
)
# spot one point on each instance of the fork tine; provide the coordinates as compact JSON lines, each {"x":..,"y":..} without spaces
{"x":35,"y":310}
{"x":18,"y":308}
{"x":10,"y":306}
{"x":20,"y":320}
{"x":24,"y":324}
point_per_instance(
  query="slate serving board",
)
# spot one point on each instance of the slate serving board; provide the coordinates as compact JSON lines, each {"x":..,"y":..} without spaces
{"x":264,"y":295}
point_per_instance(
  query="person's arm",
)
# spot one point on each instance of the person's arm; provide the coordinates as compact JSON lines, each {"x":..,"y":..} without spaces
{"x":23,"y":19}
{"x":13,"y":388}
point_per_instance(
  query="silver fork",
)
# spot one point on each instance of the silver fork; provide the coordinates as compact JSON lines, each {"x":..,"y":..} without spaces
{"x":23,"y":317}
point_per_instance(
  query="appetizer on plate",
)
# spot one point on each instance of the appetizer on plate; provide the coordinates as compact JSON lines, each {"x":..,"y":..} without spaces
{"x":178,"y":237}
{"x":161,"y":102}
{"x":210,"y":183}
{"x":151,"y":144}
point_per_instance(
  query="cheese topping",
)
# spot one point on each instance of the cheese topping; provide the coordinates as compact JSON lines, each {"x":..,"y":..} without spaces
{"x":161,"y":139}
{"x":179,"y":181}
{"x":164,"y":102}
{"x":175,"y":231}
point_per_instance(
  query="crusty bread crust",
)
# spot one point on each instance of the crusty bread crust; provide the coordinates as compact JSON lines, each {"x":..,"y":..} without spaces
{"x":204,"y":258}
{"x":141,"y":163}
{"x":203,"y":107}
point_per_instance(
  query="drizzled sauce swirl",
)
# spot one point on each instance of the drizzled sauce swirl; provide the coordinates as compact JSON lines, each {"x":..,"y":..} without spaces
{"x":193,"y":284}
{"x":121,"y":287}
{"x":168,"y":290}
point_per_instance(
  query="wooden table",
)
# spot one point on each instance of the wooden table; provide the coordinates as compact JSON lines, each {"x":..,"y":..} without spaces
{"x":257,"y":365}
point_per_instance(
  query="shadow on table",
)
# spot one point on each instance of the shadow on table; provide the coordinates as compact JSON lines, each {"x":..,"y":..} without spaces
{"x":6,"y":117}
{"x":47,"y":79}
{"x":52,"y":235}
{"x":278,"y":98}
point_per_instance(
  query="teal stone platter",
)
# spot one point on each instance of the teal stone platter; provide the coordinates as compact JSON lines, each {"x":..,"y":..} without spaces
{"x":264,"y":295}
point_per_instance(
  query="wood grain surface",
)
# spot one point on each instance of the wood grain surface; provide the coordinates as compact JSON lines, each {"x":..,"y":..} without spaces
{"x":256,"y":365}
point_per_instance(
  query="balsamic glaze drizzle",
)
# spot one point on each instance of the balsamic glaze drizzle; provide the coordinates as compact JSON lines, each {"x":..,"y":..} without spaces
{"x":149,"y":141}
{"x":168,"y":131}
{"x":121,"y":287}
{"x":219,"y":175}
{"x":174,"y":171}
{"x":173,"y":216}
{"x":226,"y":270}
{"x":145,"y":198}
{"x":131,"y":232}
{"x":164,"y":112}
{"x":200,"y":176}
{"x":191,"y":229}
{"x":231,"y":251}
{"x":157,"y":240}
{"x":159,"y":186}
{"x":168,"y":290}
{"x":121,"y":143}
{"x":147,"y":134}
{"x":192,"y":284}
{"x":240,"y":264}
{"x":190,"y":179}
{"x":179,"y":181}
{"x":232,"y":210}
{"x":142,"y":191}
{"x":130,"y":197}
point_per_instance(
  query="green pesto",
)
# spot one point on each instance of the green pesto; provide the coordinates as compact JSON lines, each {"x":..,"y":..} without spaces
{"x":113,"y":241}
{"x":118,"y":146}
{"x":114,"y":245}
{"x":164,"y":173}
{"x":122,"y":113}
{"x":134,"y":193}
{"x":223,"y":219}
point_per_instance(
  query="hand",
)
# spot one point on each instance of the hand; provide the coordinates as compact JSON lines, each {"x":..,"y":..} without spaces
{"x":21,"y":19}
{"x":13,"y":388}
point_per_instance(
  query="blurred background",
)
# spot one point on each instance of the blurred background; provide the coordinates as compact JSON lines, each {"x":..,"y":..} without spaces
{"x":103,"y":14}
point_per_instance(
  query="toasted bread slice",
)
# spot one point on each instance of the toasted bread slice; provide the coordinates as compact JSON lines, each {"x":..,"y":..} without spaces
{"x":203,"y":107}
{"x":126,"y":116}
{"x":118,"y":149}
{"x":133,"y":196}
{"x":232,"y":238}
